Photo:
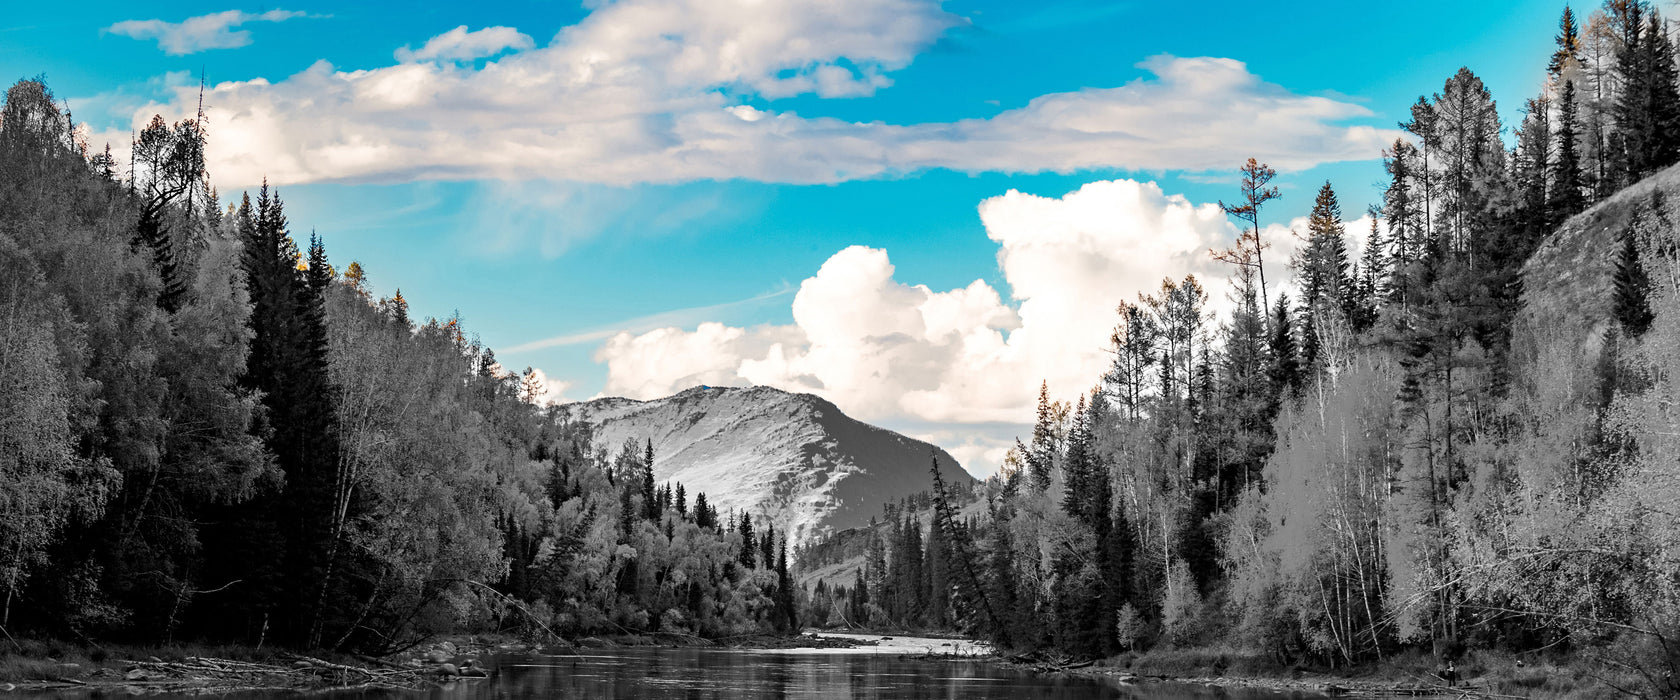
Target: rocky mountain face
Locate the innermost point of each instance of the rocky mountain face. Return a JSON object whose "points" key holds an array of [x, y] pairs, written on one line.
{"points": [[794, 458]]}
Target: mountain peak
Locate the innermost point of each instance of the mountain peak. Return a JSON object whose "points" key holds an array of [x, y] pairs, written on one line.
{"points": [[794, 458]]}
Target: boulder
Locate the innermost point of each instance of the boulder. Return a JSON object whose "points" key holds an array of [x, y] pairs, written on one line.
{"points": [[137, 675], [448, 670], [436, 656]]}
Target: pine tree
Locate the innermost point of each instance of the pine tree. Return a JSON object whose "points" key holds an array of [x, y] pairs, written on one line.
{"points": [[1255, 193], [786, 613], [1286, 366], [1326, 284], [1134, 341], [767, 544], [1041, 457], [1373, 272], [650, 501], [1400, 209], [1568, 44], [1077, 466], [704, 517], [1567, 197], [1632, 290], [749, 544]]}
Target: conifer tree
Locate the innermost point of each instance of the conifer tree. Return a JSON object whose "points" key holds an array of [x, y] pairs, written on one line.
{"points": [[1632, 290], [1326, 285], [1373, 272], [749, 544], [1400, 209], [1255, 193], [1567, 197], [1568, 43], [1041, 458], [786, 613], [1134, 341], [704, 516], [650, 502], [1286, 364]]}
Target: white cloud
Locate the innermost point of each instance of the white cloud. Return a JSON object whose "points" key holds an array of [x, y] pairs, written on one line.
{"points": [[202, 33], [458, 44], [655, 91]]}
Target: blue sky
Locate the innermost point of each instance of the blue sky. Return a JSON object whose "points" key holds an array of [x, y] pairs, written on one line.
{"points": [[650, 165]]}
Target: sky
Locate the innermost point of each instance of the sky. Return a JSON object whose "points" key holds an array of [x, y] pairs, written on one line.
{"points": [[919, 210]]}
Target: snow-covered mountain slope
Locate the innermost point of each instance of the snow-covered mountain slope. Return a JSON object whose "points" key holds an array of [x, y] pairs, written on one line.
{"points": [[792, 457]]}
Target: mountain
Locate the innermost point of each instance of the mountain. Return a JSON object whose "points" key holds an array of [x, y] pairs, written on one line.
{"points": [[794, 458]]}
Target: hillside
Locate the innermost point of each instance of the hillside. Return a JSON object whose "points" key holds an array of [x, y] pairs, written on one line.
{"points": [[1567, 284], [795, 458], [1559, 335]]}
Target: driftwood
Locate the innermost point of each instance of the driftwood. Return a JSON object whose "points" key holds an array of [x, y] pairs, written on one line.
{"points": [[247, 674]]}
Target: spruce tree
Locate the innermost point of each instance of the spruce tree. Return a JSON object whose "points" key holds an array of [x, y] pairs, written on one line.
{"points": [[1041, 457], [749, 544], [1567, 197], [650, 502], [1632, 291], [1568, 43], [704, 517], [1286, 363], [786, 613]]}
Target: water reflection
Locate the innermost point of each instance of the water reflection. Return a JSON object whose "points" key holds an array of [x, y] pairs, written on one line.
{"points": [[705, 674]]}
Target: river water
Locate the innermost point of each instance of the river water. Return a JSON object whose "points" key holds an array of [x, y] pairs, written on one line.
{"points": [[882, 671]]}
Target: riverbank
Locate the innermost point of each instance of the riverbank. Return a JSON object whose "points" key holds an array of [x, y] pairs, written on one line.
{"points": [[1480, 674]]}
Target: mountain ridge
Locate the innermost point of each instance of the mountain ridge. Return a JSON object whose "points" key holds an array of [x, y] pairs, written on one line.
{"points": [[795, 458]]}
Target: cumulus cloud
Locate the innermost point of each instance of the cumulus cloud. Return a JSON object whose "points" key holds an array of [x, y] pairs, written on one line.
{"points": [[657, 90], [458, 44], [201, 33]]}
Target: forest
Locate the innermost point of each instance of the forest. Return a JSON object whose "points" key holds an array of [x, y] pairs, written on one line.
{"points": [[1425, 448], [210, 433]]}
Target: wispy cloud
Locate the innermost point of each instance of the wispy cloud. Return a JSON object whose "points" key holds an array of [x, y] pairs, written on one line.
{"points": [[458, 44], [664, 319], [201, 33]]}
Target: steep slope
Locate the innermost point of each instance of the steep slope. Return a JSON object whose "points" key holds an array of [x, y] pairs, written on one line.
{"points": [[1568, 283], [794, 458]]}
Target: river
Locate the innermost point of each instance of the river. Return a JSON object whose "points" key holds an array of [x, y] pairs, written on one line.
{"points": [[881, 671]]}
